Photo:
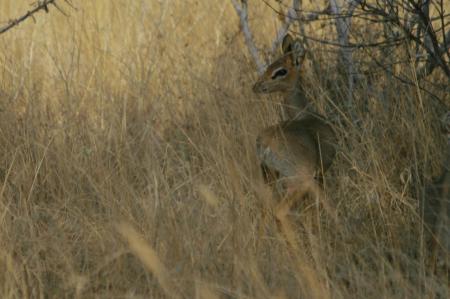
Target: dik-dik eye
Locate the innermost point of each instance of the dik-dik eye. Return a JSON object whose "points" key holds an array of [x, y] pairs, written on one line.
{"points": [[279, 73]]}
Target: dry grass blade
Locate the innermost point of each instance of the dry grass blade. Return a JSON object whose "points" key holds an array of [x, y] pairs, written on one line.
{"points": [[306, 264], [149, 258], [204, 292], [208, 196]]}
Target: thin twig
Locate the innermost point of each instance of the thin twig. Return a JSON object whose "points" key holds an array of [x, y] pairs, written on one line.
{"points": [[430, 44], [431, 64], [40, 5]]}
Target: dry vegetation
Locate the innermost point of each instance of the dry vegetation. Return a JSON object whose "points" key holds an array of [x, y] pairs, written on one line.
{"points": [[128, 168]]}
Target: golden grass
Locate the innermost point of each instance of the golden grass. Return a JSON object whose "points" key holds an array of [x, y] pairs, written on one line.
{"points": [[141, 112]]}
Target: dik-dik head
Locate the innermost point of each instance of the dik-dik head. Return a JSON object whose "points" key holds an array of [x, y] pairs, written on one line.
{"points": [[282, 75]]}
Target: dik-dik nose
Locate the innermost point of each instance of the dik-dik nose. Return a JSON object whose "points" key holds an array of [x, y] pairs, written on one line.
{"points": [[259, 87]]}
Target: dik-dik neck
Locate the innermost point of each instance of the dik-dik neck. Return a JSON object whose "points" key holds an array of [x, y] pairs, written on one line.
{"points": [[295, 102]]}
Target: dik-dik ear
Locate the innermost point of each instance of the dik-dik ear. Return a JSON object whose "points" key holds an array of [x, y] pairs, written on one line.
{"points": [[295, 48], [287, 44]]}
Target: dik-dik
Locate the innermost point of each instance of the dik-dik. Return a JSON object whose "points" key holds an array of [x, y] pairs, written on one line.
{"points": [[294, 152]]}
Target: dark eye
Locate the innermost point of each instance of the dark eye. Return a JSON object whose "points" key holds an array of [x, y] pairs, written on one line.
{"points": [[279, 73]]}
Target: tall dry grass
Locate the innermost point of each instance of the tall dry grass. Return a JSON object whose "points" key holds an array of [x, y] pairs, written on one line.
{"points": [[128, 166]]}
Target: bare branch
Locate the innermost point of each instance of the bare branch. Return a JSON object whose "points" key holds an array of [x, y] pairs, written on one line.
{"points": [[431, 64], [430, 40], [59, 9], [290, 17], [343, 29], [40, 5], [242, 12], [427, 41], [342, 23]]}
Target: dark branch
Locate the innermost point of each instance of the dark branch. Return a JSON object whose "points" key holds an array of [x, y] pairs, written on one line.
{"points": [[40, 5]]}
